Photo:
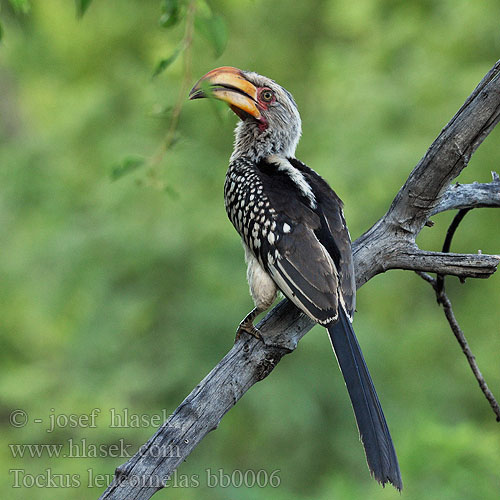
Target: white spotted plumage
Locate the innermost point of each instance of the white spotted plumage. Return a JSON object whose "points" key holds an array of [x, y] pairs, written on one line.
{"points": [[247, 206]]}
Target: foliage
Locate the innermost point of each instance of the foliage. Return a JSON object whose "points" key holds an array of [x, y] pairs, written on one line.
{"points": [[122, 295], [126, 166], [82, 6], [213, 28], [21, 6], [165, 63]]}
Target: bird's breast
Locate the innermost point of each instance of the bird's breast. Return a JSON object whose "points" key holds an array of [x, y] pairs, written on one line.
{"points": [[249, 208]]}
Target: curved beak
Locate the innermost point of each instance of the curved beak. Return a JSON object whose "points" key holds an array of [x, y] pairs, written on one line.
{"points": [[229, 85]]}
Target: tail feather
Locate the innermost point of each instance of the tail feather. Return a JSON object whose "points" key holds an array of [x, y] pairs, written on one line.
{"points": [[373, 430]]}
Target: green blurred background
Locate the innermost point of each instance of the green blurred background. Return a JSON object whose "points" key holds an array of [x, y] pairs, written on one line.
{"points": [[124, 294]]}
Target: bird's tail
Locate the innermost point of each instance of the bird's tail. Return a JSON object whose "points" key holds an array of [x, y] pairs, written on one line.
{"points": [[373, 430]]}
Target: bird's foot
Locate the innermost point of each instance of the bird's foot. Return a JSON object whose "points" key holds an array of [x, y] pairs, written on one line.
{"points": [[248, 327]]}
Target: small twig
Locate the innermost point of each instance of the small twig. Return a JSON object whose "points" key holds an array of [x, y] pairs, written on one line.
{"points": [[186, 45], [447, 244], [428, 278], [459, 335], [186, 80], [442, 298]]}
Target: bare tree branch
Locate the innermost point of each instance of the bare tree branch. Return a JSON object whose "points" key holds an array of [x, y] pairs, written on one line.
{"points": [[442, 299], [456, 264], [470, 196], [448, 155], [390, 243]]}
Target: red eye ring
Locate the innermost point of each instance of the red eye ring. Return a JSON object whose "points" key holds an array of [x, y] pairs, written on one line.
{"points": [[266, 95]]}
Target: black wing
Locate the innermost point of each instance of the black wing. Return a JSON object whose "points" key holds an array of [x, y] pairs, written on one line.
{"points": [[334, 234], [310, 257]]}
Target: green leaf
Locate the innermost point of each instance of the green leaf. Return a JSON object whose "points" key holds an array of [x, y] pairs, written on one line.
{"points": [[22, 6], [1, 31], [214, 29], [170, 191], [165, 63], [169, 13], [126, 167], [161, 112], [82, 6]]}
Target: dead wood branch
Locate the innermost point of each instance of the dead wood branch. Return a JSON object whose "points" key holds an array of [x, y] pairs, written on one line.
{"points": [[443, 300]]}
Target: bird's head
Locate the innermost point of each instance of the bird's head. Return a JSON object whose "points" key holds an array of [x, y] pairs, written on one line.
{"points": [[270, 121]]}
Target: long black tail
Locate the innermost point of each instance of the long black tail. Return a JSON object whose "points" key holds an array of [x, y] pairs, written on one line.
{"points": [[373, 430]]}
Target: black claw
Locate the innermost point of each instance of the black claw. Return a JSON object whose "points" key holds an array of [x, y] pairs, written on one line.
{"points": [[250, 329]]}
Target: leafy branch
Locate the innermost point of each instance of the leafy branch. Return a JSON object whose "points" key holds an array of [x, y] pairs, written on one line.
{"points": [[82, 6], [19, 7], [185, 47], [23, 7], [198, 17]]}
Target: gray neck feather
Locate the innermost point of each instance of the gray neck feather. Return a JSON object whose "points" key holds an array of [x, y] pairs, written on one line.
{"points": [[277, 139]]}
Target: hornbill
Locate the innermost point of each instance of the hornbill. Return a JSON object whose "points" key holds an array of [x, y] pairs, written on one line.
{"points": [[295, 238]]}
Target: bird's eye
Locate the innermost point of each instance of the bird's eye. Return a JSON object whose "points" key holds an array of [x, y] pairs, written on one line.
{"points": [[267, 95]]}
